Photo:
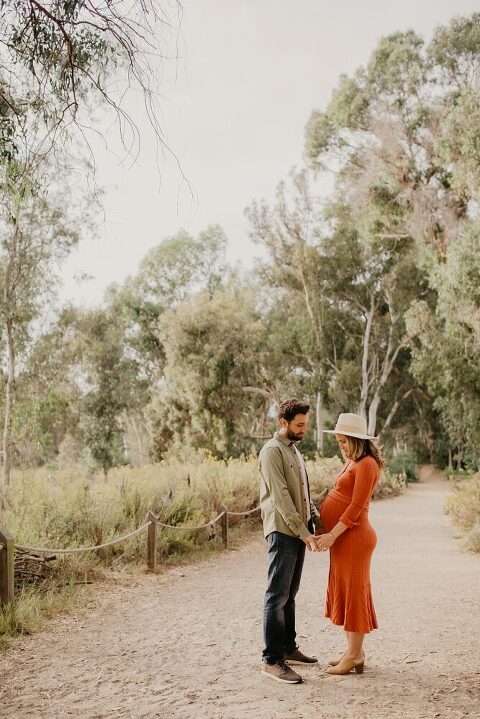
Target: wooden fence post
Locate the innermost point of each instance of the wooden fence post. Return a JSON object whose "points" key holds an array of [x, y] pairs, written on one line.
{"points": [[6, 567], [225, 527], [152, 542]]}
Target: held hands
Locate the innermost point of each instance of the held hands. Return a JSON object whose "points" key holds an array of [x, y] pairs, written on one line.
{"points": [[324, 541], [319, 543], [311, 543]]}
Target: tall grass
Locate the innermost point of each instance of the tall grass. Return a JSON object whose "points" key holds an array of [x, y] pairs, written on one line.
{"points": [[69, 508], [464, 507]]}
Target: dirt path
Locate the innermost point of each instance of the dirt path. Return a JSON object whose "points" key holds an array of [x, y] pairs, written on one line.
{"points": [[186, 644]]}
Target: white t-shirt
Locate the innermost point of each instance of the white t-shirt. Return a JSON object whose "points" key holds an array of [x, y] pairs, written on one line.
{"points": [[303, 472]]}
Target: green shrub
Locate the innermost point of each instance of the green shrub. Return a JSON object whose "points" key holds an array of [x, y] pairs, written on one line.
{"points": [[390, 484], [403, 463]]}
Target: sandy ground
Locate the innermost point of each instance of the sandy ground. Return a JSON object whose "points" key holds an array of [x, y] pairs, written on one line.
{"points": [[187, 643]]}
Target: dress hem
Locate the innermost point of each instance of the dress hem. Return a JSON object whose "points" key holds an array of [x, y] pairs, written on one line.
{"points": [[350, 628]]}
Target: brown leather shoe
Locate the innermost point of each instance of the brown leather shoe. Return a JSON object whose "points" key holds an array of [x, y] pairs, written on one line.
{"points": [[281, 672], [298, 657]]}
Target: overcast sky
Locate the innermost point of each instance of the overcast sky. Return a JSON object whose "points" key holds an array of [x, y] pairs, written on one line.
{"points": [[235, 106]]}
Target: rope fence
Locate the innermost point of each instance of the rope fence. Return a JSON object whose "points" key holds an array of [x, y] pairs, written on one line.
{"points": [[192, 529], [79, 550], [7, 545], [243, 514]]}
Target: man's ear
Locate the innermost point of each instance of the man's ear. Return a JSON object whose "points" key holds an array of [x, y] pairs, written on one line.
{"points": [[283, 422]]}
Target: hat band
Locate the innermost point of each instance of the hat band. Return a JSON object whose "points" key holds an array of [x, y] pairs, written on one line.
{"points": [[350, 428]]}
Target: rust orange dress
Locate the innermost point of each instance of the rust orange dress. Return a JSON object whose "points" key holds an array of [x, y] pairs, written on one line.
{"points": [[349, 600]]}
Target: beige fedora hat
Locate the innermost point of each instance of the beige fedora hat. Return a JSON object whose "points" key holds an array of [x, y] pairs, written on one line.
{"points": [[353, 425]]}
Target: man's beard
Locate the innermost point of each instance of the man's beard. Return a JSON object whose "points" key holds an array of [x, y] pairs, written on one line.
{"points": [[293, 437]]}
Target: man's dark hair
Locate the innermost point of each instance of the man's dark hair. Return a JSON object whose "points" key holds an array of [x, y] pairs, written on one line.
{"points": [[291, 407]]}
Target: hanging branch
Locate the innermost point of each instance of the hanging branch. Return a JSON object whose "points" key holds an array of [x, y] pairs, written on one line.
{"points": [[57, 57]]}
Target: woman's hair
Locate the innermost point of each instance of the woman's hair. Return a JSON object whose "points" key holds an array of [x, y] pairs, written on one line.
{"points": [[358, 448]]}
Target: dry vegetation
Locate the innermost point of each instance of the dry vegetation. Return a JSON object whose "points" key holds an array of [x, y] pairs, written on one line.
{"points": [[52, 508], [464, 507]]}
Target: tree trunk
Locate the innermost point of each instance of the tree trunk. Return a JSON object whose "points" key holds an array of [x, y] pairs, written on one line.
{"points": [[388, 363], [362, 408], [8, 306], [140, 450], [372, 414], [8, 405], [318, 423], [459, 460]]}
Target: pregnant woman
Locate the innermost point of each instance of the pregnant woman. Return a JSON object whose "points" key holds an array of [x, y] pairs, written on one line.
{"points": [[351, 540]]}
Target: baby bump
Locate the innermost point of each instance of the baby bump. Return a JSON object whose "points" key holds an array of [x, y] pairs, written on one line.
{"points": [[331, 511]]}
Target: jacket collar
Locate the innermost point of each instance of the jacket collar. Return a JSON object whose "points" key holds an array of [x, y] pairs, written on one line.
{"points": [[287, 442]]}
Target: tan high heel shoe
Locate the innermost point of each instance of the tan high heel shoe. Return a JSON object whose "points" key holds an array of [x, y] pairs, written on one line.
{"points": [[334, 662], [345, 666]]}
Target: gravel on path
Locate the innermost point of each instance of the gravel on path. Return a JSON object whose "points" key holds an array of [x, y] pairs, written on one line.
{"points": [[186, 643]]}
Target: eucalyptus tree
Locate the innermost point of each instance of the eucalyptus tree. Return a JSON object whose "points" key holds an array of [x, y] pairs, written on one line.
{"points": [[401, 136], [35, 235], [62, 64], [371, 285], [353, 288], [46, 423], [182, 264], [445, 345], [58, 59], [170, 273], [290, 232], [105, 378], [214, 349], [383, 132]]}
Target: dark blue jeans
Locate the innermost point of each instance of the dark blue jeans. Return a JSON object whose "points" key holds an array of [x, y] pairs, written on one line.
{"points": [[285, 563]]}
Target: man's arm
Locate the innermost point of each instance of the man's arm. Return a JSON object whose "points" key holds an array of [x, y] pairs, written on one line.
{"points": [[271, 467]]}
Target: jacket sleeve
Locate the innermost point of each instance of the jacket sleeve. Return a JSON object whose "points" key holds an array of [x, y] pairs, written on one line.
{"points": [[271, 467], [366, 477]]}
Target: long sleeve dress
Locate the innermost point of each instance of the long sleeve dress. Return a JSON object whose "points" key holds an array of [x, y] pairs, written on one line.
{"points": [[349, 601]]}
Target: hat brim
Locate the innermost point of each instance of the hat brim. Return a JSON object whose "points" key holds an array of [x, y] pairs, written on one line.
{"points": [[348, 434]]}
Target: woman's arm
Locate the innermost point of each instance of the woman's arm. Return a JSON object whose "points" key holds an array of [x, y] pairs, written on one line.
{"points": [[325, 541], [366, 477]]}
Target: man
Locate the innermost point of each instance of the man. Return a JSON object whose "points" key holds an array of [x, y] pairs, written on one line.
{"points": [[289, 518]]}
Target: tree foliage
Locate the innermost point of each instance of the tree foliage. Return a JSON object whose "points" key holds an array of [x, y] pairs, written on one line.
{"points": [[57, 60], [368, 300]]}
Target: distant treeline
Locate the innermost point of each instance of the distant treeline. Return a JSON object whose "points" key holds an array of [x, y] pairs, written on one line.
{"points": [[369, 300]]}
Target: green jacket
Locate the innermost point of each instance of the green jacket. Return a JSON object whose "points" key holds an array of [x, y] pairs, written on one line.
{"points": [[282, 497]]}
